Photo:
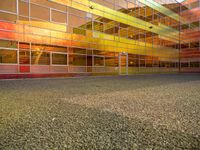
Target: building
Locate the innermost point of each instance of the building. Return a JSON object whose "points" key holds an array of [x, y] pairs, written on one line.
{"points": [[48, 38], [190, 36]]}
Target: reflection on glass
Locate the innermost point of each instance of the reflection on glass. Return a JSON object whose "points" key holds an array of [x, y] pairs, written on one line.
{"points": [[59, 59], [98, 61], [8, 56], [40, 58], [24, 57], [77, 60]]}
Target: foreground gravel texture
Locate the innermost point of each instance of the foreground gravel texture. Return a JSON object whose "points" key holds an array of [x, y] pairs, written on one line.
{"points": [[134, 112]]}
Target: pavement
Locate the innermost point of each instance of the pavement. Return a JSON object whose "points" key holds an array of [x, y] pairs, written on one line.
{"points": [[126, 112]]}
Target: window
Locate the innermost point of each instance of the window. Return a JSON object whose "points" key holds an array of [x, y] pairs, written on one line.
{"points": [[24, 57], [59, 17], [39, 57], [48, 3], [38, 47], [195, 64], [133, 60], [8, 17], [142, 63], [110, 28], [156, 63], [59, 59], [77, 50], [77, 12], [186, 45], [97, 52], [89, 60], [77, 18], [111, 61], [194, 45], [40, 12], [185, 26], [77, 60], [98, 26], [49, 48], [8, 44], [149, 63], [172, 64], [77, 21], [98, 61], [195, 25], [122, 3], [106, 3], [8, 56], [183, 8], [194, 5], [8, 5], [24, 45], [184, 64], [162, 64], [23, 8]]}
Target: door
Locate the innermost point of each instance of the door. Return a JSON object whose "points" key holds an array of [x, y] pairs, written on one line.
{"points": [[123, 63], [24, 61]]}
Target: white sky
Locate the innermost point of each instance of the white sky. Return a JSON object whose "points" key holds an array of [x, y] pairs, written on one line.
{"points": [[180, 0]]}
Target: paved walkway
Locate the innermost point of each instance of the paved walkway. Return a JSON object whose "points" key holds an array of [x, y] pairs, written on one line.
{"points": [[135, 112]]}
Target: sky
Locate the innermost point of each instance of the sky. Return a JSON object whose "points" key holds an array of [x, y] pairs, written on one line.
{"points": [[180, 0]]}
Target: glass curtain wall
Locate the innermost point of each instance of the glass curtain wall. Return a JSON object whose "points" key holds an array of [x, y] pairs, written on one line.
{"points": [[190, 36], [89, 36]]}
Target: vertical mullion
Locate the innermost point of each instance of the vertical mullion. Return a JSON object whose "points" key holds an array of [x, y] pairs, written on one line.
{"points": [[126, 63], [17, 9], [30, 50], [18, 63], [29, 10], [50, 14]]}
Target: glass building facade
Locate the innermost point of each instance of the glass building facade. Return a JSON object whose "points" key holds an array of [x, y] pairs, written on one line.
{"points": [[190, 36], [98, 37]]}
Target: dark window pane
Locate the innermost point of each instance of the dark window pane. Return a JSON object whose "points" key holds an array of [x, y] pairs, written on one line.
{"points": [[8, 56], [149, 63], [111, 61], [195, 64], [59, 59], [89, 60], [142, 63], [77, 60], [184, 64], [98, 61]]}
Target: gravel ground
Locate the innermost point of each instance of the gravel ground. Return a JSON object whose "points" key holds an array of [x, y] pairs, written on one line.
{"points": [[134, 112]]}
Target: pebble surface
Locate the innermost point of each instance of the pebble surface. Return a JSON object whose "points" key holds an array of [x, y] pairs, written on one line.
{"points": [[126, 112]]}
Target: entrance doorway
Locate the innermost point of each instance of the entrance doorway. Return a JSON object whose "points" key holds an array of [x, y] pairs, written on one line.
{"points": [[123, 63], [24, 61]]}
